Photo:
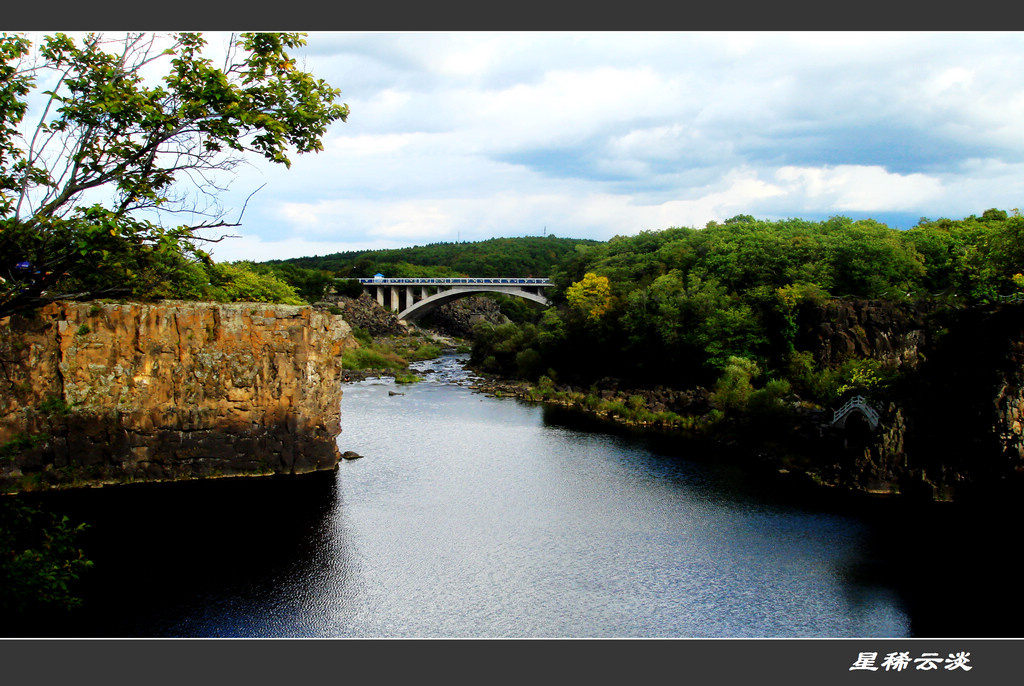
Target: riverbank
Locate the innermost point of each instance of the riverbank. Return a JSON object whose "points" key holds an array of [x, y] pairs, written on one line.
{"points": [[794, 441]]}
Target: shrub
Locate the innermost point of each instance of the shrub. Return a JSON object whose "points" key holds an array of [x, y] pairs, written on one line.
{"points": [[362, 335], [407, 378], [348, 287], [239, 282], [769, 400], [427, 351], [368, 358], [734, 386]]}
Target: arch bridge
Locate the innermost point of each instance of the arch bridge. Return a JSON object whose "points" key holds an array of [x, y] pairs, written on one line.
{"points": [[412, 298], [856, 404]]}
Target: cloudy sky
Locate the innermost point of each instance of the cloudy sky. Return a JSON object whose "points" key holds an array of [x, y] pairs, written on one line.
{"points": [[470, 135]]}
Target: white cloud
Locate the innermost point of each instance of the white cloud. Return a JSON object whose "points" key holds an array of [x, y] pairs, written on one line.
{"points": [[616, 132], [370, 145], [857, 188]]}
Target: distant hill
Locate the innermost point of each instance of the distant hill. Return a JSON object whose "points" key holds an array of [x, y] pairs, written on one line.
{"points": [[524, 256]]}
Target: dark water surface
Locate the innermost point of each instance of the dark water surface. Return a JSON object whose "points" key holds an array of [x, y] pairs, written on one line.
{"points": [[471, 516]]}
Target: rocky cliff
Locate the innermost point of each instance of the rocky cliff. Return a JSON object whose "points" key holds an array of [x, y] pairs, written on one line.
{"points": [[97, 393], [891, 332], [953, 427]]}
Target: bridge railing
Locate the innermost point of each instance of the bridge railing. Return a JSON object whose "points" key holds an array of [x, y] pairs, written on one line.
{"points": [[455, 282], [857, 402]]}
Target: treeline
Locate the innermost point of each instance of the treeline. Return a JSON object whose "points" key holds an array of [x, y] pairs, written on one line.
{"points": [[525, 256], [141, 271], [684, 307]]}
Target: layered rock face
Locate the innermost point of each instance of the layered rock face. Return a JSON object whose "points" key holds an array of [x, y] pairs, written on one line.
{"points": [[892, 333], [1009, 405], [96, 393]]}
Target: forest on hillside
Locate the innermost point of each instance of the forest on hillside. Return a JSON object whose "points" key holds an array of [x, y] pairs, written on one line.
{"points": [[685, 307], [526, 256]]}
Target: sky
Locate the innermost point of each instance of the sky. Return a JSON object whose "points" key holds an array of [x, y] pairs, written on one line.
{"points": [[464, 135]]}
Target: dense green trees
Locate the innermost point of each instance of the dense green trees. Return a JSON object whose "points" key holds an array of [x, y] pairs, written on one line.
{"points": [[83, 190], [524, 256], [975, 257], [683, 305]]}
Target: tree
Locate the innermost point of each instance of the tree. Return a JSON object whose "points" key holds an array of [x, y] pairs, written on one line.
{"points": [[86, 190], [41, 562], [590, 295]]}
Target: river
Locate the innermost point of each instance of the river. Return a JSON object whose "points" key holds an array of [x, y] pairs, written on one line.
{"points": [[473, 516]]}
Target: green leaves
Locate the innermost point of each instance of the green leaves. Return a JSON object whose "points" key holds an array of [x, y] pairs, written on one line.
{"points": [[591, 295], [111, 133], [40, 560]]}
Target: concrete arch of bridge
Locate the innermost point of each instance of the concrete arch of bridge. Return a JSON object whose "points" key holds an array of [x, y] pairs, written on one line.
{"points": [[427, 305]]}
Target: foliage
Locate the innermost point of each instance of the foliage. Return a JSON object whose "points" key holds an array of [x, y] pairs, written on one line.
{"points": [[769, 401], [524, 256], [734, 387], [506, 350], [310, 285], [40, 560], [83, 191], [350, 288], [825, 386], [240, 282], [681, 302], [20, 443], [861, 376], [975, 258], [591, 295], [423, 351], [393, 353], [362, 335], [372, 358], [407, 378]]}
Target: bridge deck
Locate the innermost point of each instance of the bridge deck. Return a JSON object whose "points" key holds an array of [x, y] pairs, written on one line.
{"points": [[414, 297]]}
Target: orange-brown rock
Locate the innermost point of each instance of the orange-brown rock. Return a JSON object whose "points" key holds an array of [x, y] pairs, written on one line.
{"points": [[175, 390]]}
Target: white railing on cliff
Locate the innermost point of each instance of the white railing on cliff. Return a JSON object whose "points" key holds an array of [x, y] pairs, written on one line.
{"points": [[857, 403]]}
